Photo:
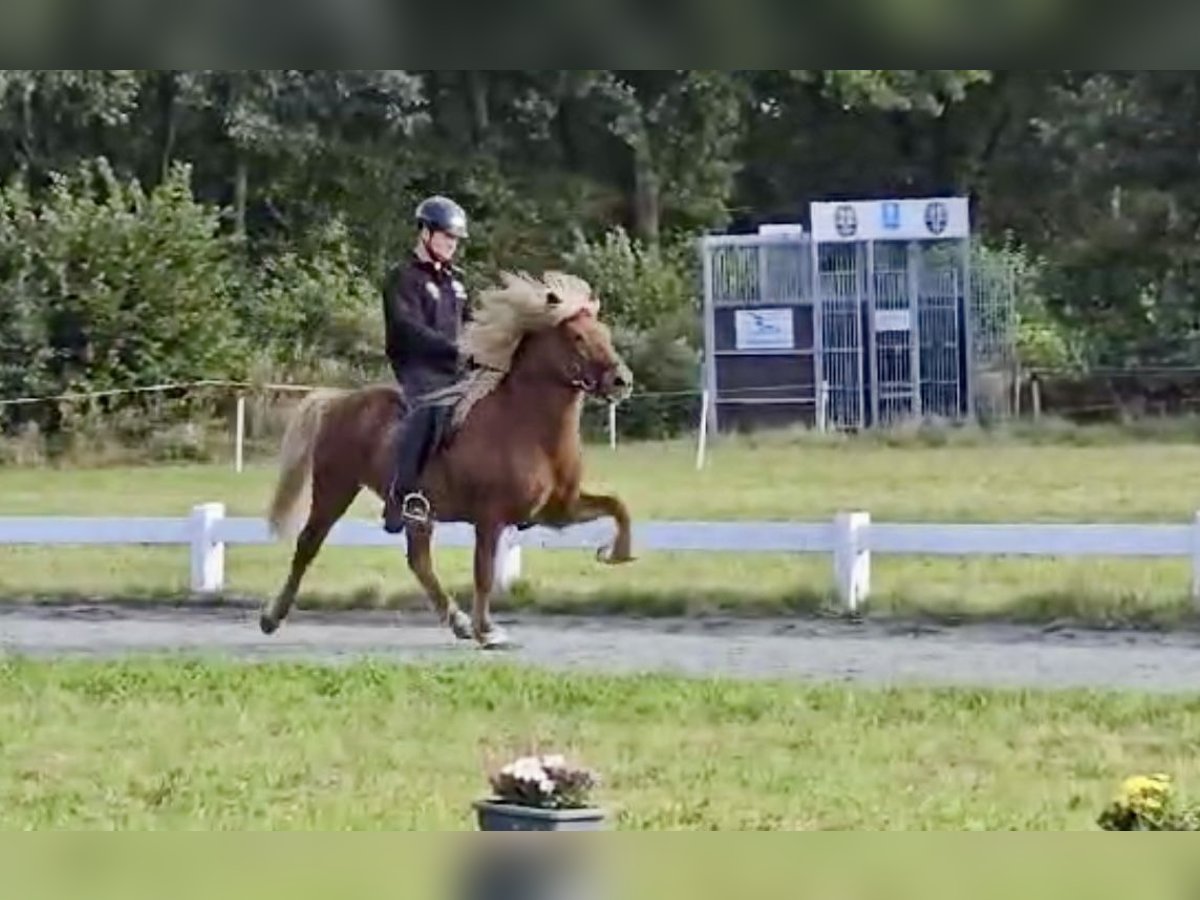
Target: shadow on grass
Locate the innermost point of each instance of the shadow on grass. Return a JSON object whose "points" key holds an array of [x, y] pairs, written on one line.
{"points": [[1049, 431], [1048, 608]]}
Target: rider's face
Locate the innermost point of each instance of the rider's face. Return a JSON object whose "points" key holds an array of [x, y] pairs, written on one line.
{"points": [[443, 245]]}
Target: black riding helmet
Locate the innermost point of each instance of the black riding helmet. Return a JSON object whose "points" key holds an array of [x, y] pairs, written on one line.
{"points": [[442, 214]]}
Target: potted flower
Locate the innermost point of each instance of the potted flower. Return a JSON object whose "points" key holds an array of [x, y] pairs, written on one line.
{"points": [[541, 793], [1148, 803]]}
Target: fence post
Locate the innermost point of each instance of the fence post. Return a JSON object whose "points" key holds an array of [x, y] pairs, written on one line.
{"points": [[612, 426], [508, 560], [702, 437], [239, 450], [208, 554], [852, 559], [1196, 562]]}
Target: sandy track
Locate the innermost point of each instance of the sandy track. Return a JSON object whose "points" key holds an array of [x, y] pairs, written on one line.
{"points": [[873, 653]]}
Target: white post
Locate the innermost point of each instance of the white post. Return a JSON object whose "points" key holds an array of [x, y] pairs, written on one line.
{"points": [[612, 426], [702, 440], [207, 554], [852, 559], [508, 561], [240, 439], [1196, 562], [823, 406]]}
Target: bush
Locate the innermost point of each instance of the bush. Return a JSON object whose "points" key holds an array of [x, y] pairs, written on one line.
{"points": [[317, 313], [111, 287], [650, 297], [666, 372], [1043, 340], [638, 286]]}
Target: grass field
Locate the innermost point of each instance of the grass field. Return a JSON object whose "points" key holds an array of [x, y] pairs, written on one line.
{"points": [[150, 744], [778, 478]]}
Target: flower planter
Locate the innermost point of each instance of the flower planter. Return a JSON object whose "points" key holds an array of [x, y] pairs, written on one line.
{"points": [[496, 816]]}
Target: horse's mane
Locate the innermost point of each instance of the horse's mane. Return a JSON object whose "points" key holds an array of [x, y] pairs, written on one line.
{"points": [[521, 305]]}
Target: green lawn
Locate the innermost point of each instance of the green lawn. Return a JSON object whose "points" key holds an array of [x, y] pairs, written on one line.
{"points": [[773, 479], [167, 745]]}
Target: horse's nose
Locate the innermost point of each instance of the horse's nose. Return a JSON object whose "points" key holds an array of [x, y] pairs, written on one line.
{"points": [[622, 382]]}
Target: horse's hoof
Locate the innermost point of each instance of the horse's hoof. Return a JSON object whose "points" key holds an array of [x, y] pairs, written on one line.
{"points": [[496, 639], [606, 556], [268, 625], [460, 625]]}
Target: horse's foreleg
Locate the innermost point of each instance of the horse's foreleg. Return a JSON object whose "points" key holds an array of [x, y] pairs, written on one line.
{"points": [[590, 507], [330, 502], [487, 538], [420, 563]]}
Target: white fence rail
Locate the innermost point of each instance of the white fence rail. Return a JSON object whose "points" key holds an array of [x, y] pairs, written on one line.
{"points": [[850, 539]]}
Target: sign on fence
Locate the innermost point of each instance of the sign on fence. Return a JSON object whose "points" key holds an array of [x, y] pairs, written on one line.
{"points": [[764, 329], [932, 218]]}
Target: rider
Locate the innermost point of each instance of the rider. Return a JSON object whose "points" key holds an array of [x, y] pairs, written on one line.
{"points": [[424, 307]]}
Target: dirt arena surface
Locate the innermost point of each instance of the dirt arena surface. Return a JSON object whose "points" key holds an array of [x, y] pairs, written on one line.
{"points": [[876, 653]]}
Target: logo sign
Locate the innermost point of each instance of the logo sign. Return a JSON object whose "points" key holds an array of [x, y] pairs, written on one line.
{"points": [[764, 329], [937, 217], [890, 214], [927, 218], [845, 219]]}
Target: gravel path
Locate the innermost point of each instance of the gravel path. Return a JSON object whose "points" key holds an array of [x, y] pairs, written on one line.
{"points": [[874, 653]]}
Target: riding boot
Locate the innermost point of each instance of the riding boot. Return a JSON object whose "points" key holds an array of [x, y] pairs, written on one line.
{"points": [[405, 504]]}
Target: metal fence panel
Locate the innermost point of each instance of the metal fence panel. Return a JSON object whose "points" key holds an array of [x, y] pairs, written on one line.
{"points": [[887, 330]]}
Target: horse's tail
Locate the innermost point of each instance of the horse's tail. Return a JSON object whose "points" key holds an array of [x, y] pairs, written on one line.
{"points": [[293, 488]]}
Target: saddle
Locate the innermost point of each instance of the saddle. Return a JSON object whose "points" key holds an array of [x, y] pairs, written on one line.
{"points": [[432, 418]]}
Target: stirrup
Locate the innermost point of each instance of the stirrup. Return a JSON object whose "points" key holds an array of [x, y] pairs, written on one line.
{"points": [[415, 509]]}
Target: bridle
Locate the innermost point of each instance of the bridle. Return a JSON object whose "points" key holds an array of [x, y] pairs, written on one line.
{"points": [[576, 379], [579, 379]]}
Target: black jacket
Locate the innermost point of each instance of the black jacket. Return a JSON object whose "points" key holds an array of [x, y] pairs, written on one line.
{"points": [[424, 308]]}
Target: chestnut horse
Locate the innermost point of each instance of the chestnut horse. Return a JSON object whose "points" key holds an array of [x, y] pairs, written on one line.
{"points": [[513, 454]]}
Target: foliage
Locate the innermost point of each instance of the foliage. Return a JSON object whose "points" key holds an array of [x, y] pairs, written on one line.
{"points": [[315, 309], [666, 374], [303, 182], [638, 284], [114, 287], [649, 293], [1148, 803], [1043, 341], [902, 90]]}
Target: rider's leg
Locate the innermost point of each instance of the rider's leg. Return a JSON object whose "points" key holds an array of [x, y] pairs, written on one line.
{"points": [[404, 503]]}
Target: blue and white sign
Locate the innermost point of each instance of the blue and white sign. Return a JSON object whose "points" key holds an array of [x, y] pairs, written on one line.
{"points": [[932, 218], [764, 329], [890, 213]]}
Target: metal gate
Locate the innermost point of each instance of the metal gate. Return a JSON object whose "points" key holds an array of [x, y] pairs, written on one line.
{"points": [[759, 330], [840, 294], [857, 325]]}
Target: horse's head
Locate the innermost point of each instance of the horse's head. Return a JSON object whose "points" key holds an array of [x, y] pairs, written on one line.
{"points": [[549, 330], [579, 351]]}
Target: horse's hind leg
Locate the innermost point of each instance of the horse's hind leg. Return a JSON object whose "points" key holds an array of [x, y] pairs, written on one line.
{"points": [[330, 500], [487, 538], [420, 562]]}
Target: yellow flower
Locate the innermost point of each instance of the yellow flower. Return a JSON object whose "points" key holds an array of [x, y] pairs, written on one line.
{"points": [[1145, 794]]}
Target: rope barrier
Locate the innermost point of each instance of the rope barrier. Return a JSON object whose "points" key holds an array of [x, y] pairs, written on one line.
{"points": [[248, 386]]}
